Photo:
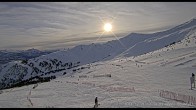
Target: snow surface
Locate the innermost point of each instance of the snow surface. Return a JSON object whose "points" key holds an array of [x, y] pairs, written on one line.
{"points": [[135, 78], [147, 79]]}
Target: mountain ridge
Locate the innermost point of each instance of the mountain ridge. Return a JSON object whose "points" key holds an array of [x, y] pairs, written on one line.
{"points": [[66, 62]]}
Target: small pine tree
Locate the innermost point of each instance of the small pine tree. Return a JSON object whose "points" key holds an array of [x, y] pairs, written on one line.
{"points": [[24, 61]]}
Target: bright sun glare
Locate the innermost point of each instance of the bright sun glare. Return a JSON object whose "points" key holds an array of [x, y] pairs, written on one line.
{"points": [[108, 27]]}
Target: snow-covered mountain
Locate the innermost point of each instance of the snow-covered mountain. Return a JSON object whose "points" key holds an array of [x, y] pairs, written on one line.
{"points": [[159, 79], [46, 67], [13, 55]]}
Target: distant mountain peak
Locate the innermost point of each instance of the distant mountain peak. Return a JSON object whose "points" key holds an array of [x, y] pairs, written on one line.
{"points": [[194, 19], [190, 22], [33, 50]]}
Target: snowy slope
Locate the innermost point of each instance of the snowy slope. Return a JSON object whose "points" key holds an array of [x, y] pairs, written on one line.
{"points": [[128, 81], [134, 83], [65, 62]]}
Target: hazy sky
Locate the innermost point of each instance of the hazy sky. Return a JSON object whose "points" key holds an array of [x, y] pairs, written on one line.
{"points": [[62, 24]]}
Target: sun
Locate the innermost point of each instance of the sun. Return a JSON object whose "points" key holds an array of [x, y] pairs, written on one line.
{"points": [[107, 27]]}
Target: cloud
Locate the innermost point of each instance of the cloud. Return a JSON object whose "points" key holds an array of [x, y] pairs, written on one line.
{"points": [[25, 23]]}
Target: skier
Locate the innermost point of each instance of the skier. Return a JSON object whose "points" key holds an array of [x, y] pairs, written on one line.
{"points": [[193, 75], [192, 80], [96, 103]]}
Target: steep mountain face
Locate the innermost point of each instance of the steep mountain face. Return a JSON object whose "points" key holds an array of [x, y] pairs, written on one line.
{"points": [[59, 63], [151, 42]]}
